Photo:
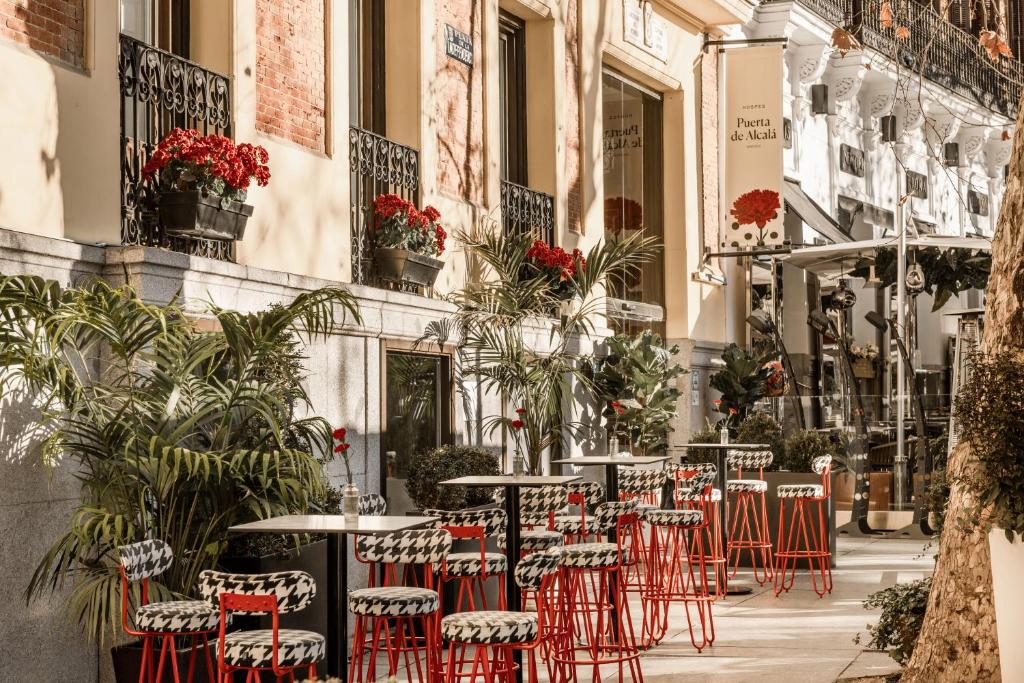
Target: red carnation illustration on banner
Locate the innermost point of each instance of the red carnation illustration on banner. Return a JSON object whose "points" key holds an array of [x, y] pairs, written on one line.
{"points": [[756, 207]]}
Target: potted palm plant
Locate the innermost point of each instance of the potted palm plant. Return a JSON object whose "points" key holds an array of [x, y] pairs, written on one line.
{"points": [[202, 182], [407, 241], [183, 433]]}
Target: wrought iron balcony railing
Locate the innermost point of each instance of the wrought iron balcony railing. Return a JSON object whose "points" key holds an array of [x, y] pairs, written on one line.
{"points": [[161, 91], [527, 211], [377, 166], [937, 49]]}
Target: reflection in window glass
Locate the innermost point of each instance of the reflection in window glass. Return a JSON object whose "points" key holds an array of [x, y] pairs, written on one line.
{"points": [[417, 418], [633, 185]]}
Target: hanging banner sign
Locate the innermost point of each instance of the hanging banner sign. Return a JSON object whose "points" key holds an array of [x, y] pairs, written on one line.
{"points": [[754, 138]]}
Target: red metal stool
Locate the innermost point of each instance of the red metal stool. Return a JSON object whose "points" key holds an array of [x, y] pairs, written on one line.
{"points": [[400, 620], [587, 496], [538, 508], [687, 497], [807, 538], [471, 570], [644, 487], [601, 632], [676, 574], [280, 650], [495, 635], [162, 621], [748, 523]]}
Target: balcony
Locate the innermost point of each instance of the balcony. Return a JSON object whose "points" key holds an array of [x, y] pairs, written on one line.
{"points": [[527, 211], [161, 91], [943, 53], [376, 166]]}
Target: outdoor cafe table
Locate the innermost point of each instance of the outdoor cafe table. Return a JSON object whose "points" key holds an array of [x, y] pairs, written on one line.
{"points": [[611, 466], [337, 529], [722, 449], [513, 545]]}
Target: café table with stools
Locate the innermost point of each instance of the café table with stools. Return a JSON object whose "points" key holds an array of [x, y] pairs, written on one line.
{"points": [[513, 546], [722, 451], [337, 528], [611, 464]]}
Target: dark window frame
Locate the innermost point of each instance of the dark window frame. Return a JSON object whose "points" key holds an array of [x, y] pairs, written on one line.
{"points": [[367, 66], [512, 98]]}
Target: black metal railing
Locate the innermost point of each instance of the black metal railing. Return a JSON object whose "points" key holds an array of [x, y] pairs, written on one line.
{"points": [[527, 211], [936, 48], [377, 166], [161, 91]]}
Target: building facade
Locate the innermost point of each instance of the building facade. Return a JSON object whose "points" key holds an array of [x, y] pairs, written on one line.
{"points": [[572, 119]]}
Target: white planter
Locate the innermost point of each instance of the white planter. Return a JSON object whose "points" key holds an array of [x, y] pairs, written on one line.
{"points": [[1008, 596]]}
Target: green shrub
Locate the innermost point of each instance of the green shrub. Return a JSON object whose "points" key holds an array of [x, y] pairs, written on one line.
{"points": [[803, 446], [709, 434], [990, 414], [427, 470], [903, 607], [761, 427]]}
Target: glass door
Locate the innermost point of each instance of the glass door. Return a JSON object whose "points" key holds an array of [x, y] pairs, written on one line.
{"points": [[417, 417]]}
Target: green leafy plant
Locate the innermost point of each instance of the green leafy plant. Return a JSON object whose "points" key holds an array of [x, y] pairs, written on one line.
{"points": [[635, 382], [497, 319], [709, 433], [946, 273], [176, 432], [899, 625], [761, 427], [804, 445], [427, 470], [990, 414], [741, 382]]}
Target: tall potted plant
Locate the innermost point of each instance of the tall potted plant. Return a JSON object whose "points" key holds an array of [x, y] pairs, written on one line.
{"points": [[742, 381], [184, 432], [407, 241], [202, 183]]}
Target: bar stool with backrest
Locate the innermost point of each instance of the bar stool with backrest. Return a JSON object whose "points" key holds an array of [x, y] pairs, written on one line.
{"points": [[644, 487], [587, 496], [678, 569], [748, 523], [279, 650], [687, 497], [399, 619], [538, 507], [162, 621], [601, 632], [469, 570], [495, 635], [807, 537]]}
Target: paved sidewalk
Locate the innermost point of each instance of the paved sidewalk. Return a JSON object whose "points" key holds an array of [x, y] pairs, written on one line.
{"points": [[799, 637]]}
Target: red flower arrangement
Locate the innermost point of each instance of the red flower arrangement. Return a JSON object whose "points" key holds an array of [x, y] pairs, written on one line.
{"points": [[341, 447], [398, 224], [617, 407], [557, 265], [517, 424], [212, 164], [757, 207]]}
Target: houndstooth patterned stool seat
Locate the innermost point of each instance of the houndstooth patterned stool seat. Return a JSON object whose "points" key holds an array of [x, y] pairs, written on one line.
{"points": [[590, 555], [675, 517], [177, 616], [397, 601], [746, 486], [490, 627], [534, 539], [800, 491], [469, 564], [689, 495], [254, 649]]}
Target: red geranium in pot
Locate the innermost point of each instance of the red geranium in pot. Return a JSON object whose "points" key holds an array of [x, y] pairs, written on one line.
{"points": [[407, 240], [558, 266], [203, 181]]}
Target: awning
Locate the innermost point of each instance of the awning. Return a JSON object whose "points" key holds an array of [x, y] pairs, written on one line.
{"points": [[833, 260], [810, 213]]}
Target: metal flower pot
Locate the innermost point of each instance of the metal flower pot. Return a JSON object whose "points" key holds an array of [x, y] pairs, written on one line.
{"points": [[402, 265], [192, 214]]}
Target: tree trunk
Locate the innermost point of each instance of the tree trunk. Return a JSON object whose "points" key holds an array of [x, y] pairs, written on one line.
{"points": [[958, 639]]}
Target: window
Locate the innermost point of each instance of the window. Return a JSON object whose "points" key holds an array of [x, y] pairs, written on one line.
{"points": [[417, 417], [160, 23], [366, 65], [633, 187], [512, 97]]}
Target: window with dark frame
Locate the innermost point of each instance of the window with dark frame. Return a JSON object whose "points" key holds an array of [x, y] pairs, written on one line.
{"points": [[367, 66], [161, 23], [633, 189], [512, 97]]}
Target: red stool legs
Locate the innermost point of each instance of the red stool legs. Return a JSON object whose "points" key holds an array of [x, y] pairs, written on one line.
{"points": [[748, 530]]}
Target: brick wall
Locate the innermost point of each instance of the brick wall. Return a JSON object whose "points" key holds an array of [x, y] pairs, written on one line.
{"points": [[290, 71], [51, 27], [709, 145], [459, 105], [573, 174]]}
